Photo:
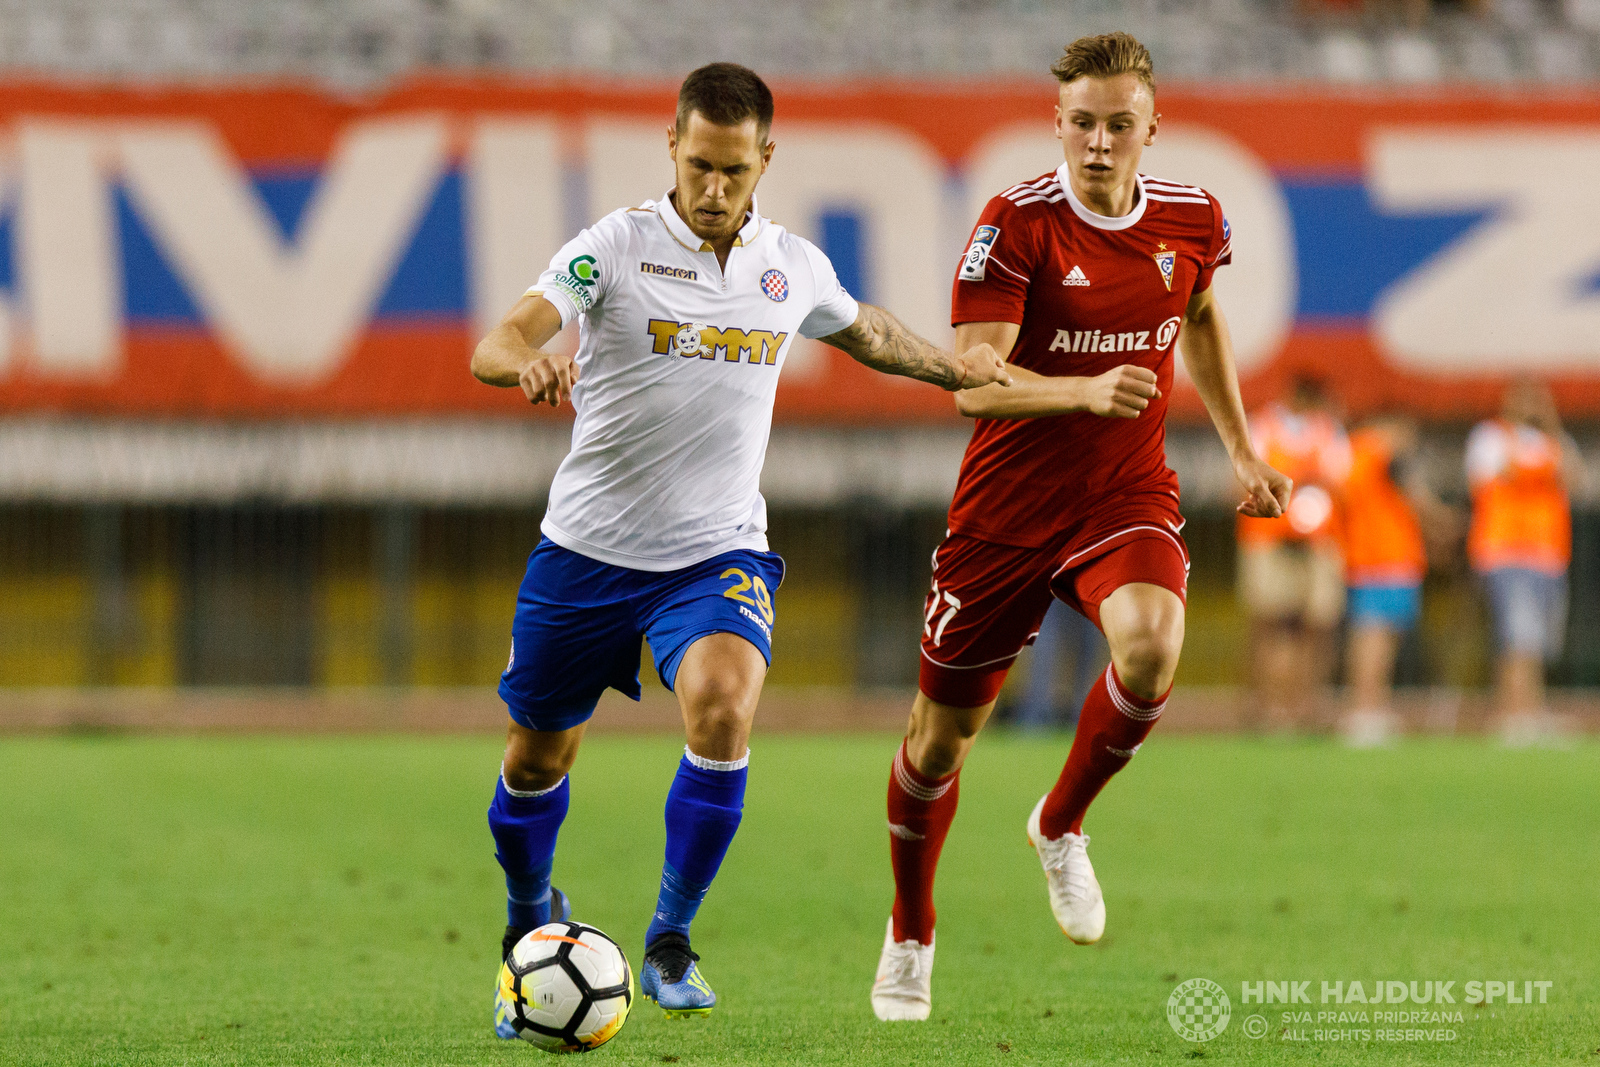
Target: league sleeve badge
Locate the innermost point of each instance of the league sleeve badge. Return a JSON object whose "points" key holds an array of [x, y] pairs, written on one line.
{"points": [[974, 264]]}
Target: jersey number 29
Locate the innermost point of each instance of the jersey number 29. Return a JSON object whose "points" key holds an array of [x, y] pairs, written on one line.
{"points": [[763, 600]]}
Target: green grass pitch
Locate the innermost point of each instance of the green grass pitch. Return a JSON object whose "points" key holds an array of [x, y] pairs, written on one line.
{"points": [[197, 900]]}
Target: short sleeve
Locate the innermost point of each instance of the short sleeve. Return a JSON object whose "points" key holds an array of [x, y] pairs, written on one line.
{"points": [[584, 270], [1219, 251], [992, 281], [834, 308]]}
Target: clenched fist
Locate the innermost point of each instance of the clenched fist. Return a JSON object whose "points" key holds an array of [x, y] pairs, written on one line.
{"points": [[978, 366], [548, 379], [1121, 393]]}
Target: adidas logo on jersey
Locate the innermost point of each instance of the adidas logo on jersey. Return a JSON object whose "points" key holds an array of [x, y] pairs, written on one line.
{"points": [[1075, 277]]}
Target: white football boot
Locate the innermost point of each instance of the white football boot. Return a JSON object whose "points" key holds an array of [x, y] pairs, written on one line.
{"points": [[1074, 893], [903, 989]]}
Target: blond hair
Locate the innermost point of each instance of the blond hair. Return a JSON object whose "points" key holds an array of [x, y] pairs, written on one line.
{"points": [[1106, 56]]}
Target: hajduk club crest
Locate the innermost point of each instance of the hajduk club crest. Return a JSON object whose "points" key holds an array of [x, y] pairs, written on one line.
{"points": [[775, 285], [1165, 261]]}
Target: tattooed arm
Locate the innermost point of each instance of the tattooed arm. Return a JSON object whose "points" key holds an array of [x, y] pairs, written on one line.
{"points": [[882, 342]]}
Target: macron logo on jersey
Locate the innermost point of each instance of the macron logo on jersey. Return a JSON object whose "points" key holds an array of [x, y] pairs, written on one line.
{"points": [[1076, 277], [681, 273], [975, 262]]}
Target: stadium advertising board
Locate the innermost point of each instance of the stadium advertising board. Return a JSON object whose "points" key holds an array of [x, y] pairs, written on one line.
{"points": [[282, 252]]}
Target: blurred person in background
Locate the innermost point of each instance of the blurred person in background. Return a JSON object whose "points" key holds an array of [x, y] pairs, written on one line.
{"points": [[1390, 516], [1291, 569], [1063, 635], [1520, 468]]}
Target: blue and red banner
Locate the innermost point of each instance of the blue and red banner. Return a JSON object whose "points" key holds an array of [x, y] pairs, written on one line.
{"points": [[285, 253]]}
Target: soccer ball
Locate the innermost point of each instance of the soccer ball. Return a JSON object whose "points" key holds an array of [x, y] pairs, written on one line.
{"points": [[566, 987]]}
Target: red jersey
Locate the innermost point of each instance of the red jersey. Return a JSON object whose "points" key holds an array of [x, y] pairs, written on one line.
{"points": [[1090, 293]]}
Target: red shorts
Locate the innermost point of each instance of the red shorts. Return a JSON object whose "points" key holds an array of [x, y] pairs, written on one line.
{"points": [[988, 599]]}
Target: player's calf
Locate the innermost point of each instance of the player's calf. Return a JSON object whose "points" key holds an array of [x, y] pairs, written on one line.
{"points": [[1112, 725], [525, 824], [920, 810], [704, 807]]}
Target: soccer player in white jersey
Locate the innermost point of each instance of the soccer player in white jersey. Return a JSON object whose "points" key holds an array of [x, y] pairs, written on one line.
{"points": [[688, 307]]}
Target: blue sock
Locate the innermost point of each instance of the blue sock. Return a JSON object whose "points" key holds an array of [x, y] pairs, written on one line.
{"points": [[525, 827], [703, 810]]}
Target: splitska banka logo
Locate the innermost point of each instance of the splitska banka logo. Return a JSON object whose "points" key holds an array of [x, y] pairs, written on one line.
{"points": [[1107, 341], [579, 282], [670, 337]]}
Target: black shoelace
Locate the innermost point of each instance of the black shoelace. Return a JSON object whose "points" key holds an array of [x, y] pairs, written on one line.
{"points": [[672, 957]]}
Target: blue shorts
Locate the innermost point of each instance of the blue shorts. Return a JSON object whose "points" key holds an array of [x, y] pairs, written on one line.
{"points": [[1529, 609], [1395, 606], [579, 623]]}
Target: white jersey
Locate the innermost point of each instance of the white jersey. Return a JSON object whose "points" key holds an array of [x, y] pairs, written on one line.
{"points": [[679, 367]]}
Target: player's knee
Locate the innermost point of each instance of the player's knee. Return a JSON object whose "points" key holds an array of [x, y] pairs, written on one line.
{"points": [[718, 709], [939, 756], [719, 720], [1147, 657], [720, 696], [939, 737], [530, 765]]}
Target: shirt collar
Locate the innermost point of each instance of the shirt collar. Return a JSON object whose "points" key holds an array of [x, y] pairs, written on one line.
{"points": [[1103, 222], [686, 237]]}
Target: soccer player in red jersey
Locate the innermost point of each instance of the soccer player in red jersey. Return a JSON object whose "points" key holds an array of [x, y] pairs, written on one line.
{"points": [[1083, 278]]}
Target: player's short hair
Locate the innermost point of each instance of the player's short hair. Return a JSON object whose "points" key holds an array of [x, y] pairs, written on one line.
{"points": [[1106, 56], [726, 94]]}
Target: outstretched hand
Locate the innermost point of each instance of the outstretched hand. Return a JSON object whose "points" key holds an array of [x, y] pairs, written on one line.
{"points": [[1267, 490], [978, 366]]}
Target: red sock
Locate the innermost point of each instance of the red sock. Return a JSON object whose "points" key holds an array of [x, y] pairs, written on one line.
{"points": [[1111, 727], [920, 812]]}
